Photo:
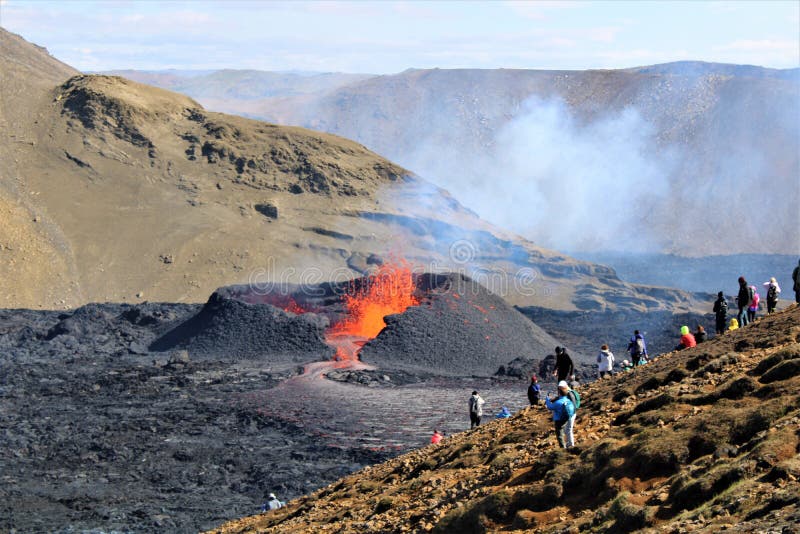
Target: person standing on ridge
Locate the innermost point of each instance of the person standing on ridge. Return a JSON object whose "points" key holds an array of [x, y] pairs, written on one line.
{"points": [[638, 349], [752, 309], [475, 409], [564, 366], [562, 409], [534, 391], [773, 291], [721, 312], [605, 362], [743, 300], [796, 280], [569, 428]]}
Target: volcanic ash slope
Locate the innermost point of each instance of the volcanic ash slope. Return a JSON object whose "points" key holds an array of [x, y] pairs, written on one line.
{"points": [[459, 328], [700, 440]]}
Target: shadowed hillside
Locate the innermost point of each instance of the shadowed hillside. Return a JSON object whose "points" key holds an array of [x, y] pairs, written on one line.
{"points": [[701, 440]]}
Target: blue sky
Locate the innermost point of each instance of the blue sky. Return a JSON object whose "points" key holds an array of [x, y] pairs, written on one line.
{"points": [[388, 37]]}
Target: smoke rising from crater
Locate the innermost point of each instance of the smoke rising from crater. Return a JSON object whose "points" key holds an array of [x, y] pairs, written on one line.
{"points": [[566, 183]]}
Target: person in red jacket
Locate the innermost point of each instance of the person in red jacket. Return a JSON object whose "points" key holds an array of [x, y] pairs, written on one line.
{"points": [[436, 437], [687, 339]]}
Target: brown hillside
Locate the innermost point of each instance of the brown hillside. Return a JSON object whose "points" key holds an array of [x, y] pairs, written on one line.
{"points": [[125, 192], [702, 440]]}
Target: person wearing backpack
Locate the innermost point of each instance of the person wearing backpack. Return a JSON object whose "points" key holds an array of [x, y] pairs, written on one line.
{"points": [[743, 300], [773, 290], [533, 391], [605, 362], [475, 409], [721, 312], [562, 409], [638, 349], [569, 428]]}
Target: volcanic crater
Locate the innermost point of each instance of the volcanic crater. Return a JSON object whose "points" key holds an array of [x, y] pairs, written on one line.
{"points": [[395, 319]]}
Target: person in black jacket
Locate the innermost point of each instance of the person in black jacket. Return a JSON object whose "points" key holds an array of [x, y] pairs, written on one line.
{"points": [[564, 365], [743, 301], [796, 280], [721, 312], [700, 335]]}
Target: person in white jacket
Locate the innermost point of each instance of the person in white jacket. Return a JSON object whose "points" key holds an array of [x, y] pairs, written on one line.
{"points": [[605, 361], [773, 292]]}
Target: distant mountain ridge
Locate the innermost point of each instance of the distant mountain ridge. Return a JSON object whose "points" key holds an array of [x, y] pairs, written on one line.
{"points": [[684, 136]]}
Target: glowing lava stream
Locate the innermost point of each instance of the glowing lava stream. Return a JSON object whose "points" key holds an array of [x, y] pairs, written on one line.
{"points": [[388, 291]]}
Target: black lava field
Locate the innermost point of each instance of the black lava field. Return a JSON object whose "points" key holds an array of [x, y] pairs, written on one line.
{"points": [[175, 417]]}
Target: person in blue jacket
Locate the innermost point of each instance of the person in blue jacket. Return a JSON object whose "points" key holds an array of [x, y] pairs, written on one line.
{"points": [[562, 409], [503, 414]]}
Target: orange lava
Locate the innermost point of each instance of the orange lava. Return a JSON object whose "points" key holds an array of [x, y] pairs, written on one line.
{"points": [[390, 290]]}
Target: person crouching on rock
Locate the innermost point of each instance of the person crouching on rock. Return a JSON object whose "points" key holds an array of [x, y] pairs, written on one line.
{"points": [[687, 339], [475, 409], [504, 413], [436, 437], [700, 336], [562, 409], [533, 391], [272, 503], [734, 324]]}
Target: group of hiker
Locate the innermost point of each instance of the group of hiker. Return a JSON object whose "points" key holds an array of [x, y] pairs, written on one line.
{"points": [[748, 302], [565, 404]]}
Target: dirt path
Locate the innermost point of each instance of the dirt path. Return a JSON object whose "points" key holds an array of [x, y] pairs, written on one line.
{"points": [[380, 418]]}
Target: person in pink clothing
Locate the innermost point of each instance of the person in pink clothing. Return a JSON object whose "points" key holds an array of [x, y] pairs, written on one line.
{"points": [[753, 308], [436, 437]]}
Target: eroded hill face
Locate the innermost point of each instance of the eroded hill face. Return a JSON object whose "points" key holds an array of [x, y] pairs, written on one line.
{"points": [[116, 191], [701, 440]]}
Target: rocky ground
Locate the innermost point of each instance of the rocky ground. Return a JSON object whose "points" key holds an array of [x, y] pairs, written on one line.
{"points": [[101, 432], [701, 440]]}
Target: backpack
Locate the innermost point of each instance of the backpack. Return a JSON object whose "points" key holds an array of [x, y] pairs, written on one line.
{"points": [[473, 405], [772, 293], [638, 346], [750, 294], [723, 307], [575, 397], [569, 409]]}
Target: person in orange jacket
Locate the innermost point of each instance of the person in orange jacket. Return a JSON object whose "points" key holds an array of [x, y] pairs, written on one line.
{"points": [[687, 339]]}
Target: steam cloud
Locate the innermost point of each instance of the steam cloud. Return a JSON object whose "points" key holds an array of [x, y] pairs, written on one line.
{"points": [[566, 183]]}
